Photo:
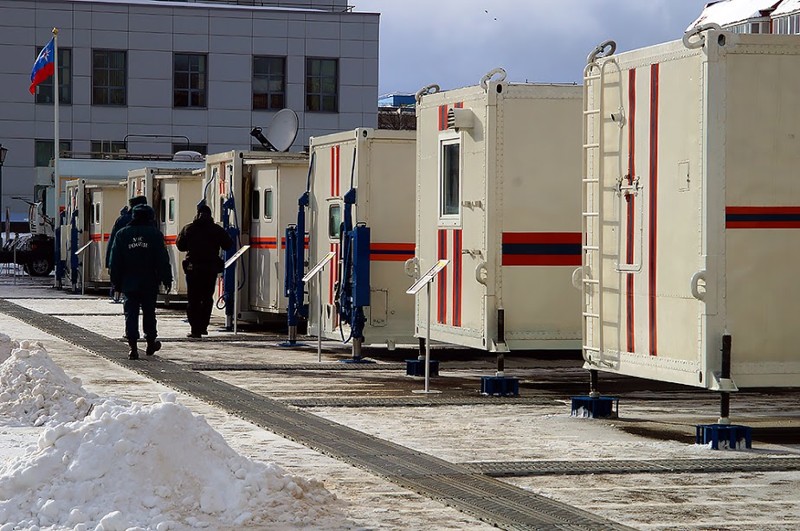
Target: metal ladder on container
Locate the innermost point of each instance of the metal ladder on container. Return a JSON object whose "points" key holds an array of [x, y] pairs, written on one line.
{"points": [[592, 206]]}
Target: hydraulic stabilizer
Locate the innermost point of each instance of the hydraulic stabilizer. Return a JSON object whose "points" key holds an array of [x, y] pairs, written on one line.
{"points": [[228, 275], [293, 285], [74, 260], [354, 284]]}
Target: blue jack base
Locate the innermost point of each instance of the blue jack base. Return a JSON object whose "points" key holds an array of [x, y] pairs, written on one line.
{"points": [[289, 344], [417, 368], [595, 407], [356, 360], [724, 436], [499, 386]]}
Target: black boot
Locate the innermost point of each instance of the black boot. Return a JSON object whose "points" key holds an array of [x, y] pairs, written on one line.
{"points": [[153, 346], [134, 353]]}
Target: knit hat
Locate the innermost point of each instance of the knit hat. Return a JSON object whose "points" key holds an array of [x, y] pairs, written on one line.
{"points": [[143, 213], [138, 200], [203, 211]]}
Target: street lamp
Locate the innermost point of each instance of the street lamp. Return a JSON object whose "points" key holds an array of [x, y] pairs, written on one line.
{"points": [[3, 152]]}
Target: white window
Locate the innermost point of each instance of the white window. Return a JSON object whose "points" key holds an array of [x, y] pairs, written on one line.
{"points": [[268, 204], [334, 221], [450, 180], [171, 209]]}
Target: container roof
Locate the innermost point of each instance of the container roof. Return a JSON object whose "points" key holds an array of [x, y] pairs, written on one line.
{"points": [[786, 7], [727, 12]]}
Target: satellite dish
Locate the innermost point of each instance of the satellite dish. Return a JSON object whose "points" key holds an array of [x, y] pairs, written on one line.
{"points": [[281, 131]]}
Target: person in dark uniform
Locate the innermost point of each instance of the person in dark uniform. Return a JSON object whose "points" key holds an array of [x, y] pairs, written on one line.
{"points": [[125, 216], [139, 262], [202, 240]]}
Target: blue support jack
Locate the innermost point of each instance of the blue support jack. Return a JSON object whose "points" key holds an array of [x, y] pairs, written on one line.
{"points": [[499, 386], [595, 407], [724, 436], [417, 368]]}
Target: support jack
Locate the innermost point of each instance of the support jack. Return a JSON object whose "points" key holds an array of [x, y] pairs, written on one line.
{"points": [[593, 405]]}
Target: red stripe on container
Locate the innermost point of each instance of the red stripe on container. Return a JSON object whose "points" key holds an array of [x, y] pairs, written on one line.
{"points": [[457, 270], [542, 237], [653, 218], [631, 208]]}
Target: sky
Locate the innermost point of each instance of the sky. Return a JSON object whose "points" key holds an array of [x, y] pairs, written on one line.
{"points": [[453, 43]]}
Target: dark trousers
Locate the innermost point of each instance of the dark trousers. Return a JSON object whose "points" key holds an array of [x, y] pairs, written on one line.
{"points": [[200, 292], [133, 301]]}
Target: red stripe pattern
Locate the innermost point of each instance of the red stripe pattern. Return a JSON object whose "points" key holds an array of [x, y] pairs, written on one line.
{"points": [[391, 252], [457, 272], [762, 217], [441, 279], [653, 217], [542, 248], [631, 207]]}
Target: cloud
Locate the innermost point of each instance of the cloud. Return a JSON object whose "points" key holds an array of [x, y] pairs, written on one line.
{"points": [[455, 42]]}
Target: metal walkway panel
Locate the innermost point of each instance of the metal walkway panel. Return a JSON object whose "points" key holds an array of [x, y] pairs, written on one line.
{"points": [[454, 485]]}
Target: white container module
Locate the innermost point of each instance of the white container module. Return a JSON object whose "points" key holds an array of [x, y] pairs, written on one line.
{"points": [[378, 166], [91, 209], [253, 195], [105, 203], [692, 205], [179, 192], [498, 195]]}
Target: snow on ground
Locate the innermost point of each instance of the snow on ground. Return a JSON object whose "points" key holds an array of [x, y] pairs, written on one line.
{"points": [[112, 465]]}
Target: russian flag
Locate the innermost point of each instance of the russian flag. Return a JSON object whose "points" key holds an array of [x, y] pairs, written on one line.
{"points": [[44, 66]]}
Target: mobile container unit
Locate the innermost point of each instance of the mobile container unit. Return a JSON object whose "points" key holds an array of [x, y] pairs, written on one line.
{"points": [[363, 177], [180, 191], [498, 195], [90, 212], [105, 203], [693, 208], [233, 182]]}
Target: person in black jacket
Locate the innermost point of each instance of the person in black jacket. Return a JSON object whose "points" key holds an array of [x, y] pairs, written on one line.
{"points": [[125, 216], [139, 262], [202, 240]]}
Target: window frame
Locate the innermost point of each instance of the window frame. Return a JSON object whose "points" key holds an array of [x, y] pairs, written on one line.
{"points": [[66, 145], [321, 94], [171, 210], [444, 219], [64, 80], [268, 204], [108, 149], [108, 88], [255, 205], [269, 77], [334, 233], [189, 89]]}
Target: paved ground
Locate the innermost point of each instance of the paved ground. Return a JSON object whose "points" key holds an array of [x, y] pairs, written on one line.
{"points": [[657, 422]]}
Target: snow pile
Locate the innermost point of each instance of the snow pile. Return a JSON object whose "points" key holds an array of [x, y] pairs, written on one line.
{"points": [[6, 346], [34, 391], [155, 467]]}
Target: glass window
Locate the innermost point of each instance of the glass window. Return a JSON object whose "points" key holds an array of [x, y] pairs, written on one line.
{"points": [[163, 213], [334, 221], [44, 90], [43, 151], [450, 179], [255, 204], [269, 82], [171, 209], [97, 212], [189, 80], [268, 204], [109, 77], [322, 82], [106, 149]]}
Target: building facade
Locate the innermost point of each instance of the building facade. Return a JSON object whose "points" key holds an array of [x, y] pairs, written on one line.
{"points": [[151, 77], [780, 17]]}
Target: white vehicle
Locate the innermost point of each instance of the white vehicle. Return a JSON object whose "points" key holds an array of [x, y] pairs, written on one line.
{"points": [[498, 195], [376, 168], [692, 211]]}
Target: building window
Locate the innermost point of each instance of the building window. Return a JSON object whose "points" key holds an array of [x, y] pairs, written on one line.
{"points": [[44, 91], [43, 151], [450, 179], [322, 85], [171, 209], [109, 77], [334, 221], [269, 82], [268, 204], [96, 213], [182, 146], [107, 149], [162, 214], [189, 80], [255, 204]]}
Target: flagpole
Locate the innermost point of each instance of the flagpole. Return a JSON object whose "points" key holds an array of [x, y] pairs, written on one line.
{"points": [[56, 142]]}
